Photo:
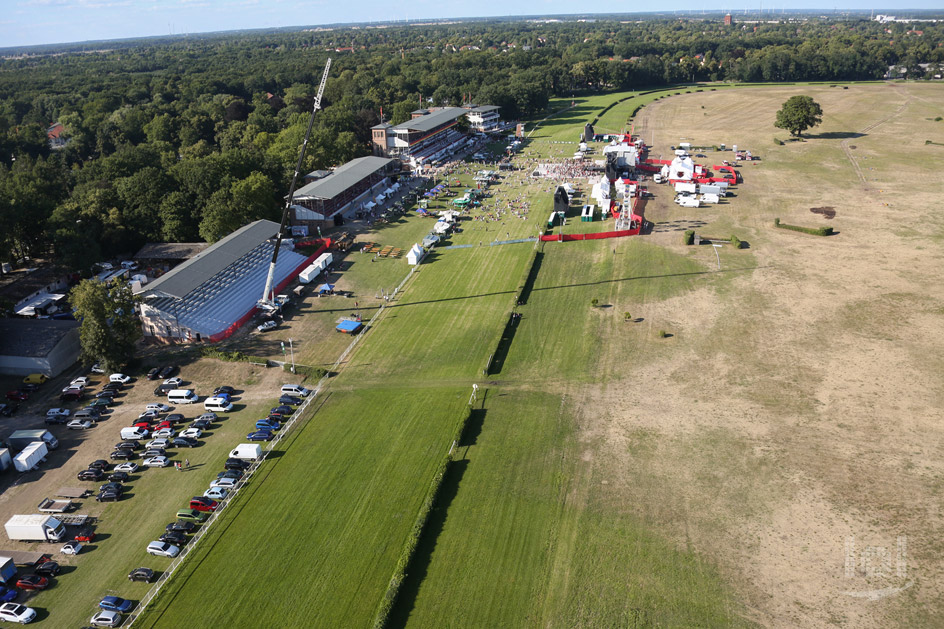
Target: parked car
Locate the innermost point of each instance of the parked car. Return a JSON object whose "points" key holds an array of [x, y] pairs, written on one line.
{"points": [[268, 325], [113, 386], [283, 409], [175, 382], [8, 594], [100, 464], [162, 389], [80, 382], [174, 418], [32, 582], [210, 417], [86, 534], [152, 452], [110, 492], [268, 424], [141, 574], [128, 445], [201, 503], [123, 454], [97, 369], [157, 461], [236, 464], [157, 443], [71, 395], [47, 569], [130, 468], [193, 433], [165, 424], [35, 378], [228, 390], [106, 618], [164, 432], [154, 373], [109, 394], [79, 424], [225, 483], [119, 477], [290, 399], [168, 371], [101, 403], [119, 377], [192, 514], [216, 493], [157, 406], [13, 612], [175, 537], [182, 526], [201, 424], [235, 474], [71, 548], [163, 549], [149, 414], [260, 435], [93, 474], [184, 442], [8, 409], [17, 395], [57, 412]]}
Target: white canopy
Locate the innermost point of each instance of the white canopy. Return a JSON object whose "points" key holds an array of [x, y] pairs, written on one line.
{"points": [[370, 204], [441, 227], [380, 198], [414, 255]]}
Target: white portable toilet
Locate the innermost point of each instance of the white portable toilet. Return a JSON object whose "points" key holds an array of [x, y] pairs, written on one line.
{"points": [[414, 255]]}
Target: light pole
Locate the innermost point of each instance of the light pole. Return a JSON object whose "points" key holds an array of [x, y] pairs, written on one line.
{"points": [[291, 348], [716, 247]]}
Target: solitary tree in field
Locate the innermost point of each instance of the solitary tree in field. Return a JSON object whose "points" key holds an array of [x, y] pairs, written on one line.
{"points": [[798, 114]]}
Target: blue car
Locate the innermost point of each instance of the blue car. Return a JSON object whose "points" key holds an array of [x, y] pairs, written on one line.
{"points": [[260, 435], [7, 594], [267, 424], [116, 604]]}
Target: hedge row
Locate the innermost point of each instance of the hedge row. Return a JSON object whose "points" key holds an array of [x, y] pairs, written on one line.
{"points": [[497, 339], [815, 231], [409, 548], [231, 357], [315, 373]]}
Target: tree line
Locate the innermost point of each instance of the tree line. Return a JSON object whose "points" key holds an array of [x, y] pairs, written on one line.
{"points": [[183, 139]]}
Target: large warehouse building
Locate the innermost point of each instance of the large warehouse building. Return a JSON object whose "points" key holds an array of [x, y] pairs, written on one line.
{"points": [[46, 346], [213, 294]]}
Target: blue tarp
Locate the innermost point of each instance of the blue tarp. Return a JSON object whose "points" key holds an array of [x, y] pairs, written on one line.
{"points": [[349, 327], [326, 288]]}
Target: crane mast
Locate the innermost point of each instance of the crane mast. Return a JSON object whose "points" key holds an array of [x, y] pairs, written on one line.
{"points": [[267, 302]]}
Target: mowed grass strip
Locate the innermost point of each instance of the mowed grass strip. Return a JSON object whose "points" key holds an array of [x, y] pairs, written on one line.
{"points": [[523, 536], [315, 537]]}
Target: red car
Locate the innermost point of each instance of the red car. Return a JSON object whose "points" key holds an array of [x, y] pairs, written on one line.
{"points": [[202, 503], [17, 395], [143, 424], [165, 424], [33, 582], [85, 535]]}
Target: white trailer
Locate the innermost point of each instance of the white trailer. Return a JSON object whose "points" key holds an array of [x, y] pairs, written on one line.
{"points": [[31, 456], [706, 188], [686, 201], [324, 260], [710, 198], [681, 186], [35, 528], [308, 274], [5, 459]]}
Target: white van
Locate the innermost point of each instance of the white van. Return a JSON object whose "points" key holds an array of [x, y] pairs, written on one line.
{"points": [[132, 433], [182, 396], [217, 405], [246, 451], [295, 389]]}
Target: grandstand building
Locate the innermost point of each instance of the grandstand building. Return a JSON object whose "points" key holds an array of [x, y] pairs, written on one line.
{"points": [[318, 203], [431, 135], [484, 119], [211, 295]]}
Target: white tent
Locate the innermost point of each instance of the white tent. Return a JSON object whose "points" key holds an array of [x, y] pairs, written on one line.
{"points": [[441, 227], [370, 204], [380, 198], [681, 169], [388, 191], [414, 255]]}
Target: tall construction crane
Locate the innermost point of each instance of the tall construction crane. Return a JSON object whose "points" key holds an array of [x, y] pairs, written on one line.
{"points": [[268, 299]]}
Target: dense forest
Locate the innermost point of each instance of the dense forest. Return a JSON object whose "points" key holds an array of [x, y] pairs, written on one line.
{"points": [[188, 138]]}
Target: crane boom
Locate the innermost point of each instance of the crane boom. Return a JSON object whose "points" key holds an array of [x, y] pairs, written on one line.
{"points": [[267, 301]]}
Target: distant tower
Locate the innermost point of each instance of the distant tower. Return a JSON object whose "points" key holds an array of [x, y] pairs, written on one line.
{"points": [[727, 20]]}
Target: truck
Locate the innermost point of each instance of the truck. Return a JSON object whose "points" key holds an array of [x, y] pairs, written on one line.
{"points": [[686, 201], [7, 570], [35, 528], [711, 189], [31, 456], [681, 186], [50, 505], [6, 461], [22, 438]]}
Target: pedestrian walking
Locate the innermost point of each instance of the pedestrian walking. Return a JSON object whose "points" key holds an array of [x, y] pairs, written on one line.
{"points": [[187, 463]]}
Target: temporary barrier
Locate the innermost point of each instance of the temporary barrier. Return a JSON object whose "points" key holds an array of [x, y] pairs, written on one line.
{"points": [[598, 236]]}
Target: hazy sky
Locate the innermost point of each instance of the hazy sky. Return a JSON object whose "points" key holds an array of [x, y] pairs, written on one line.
{"points": [[25, 22]]}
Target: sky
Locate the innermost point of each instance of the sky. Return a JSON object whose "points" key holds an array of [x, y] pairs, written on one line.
{"points": [[31, 22]]}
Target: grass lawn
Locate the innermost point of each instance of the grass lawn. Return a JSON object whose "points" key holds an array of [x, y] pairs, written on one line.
{"points": [[314, 538], [523, 538]]}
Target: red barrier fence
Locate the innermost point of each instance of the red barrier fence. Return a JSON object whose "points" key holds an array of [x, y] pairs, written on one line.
{"points": [[598, 236], [228, 332]]}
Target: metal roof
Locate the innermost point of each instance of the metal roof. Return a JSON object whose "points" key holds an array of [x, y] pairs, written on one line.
{"points": [[191, 274], [433, 120], [33, 338], [342, 178], [484, 109]]}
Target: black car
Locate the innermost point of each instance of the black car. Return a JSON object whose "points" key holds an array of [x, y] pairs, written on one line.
{"points": [[72, 395], [108, 496], [111, 487], [175, 537], [283, 410], [107, 393], [154, 373], [29, 387], [184, 442], [202, 424], [113, 386], [47, 569], [224, 389], [8, 409], [91, 474], [181, 526], [128, 445], [92, 412], [162, 389], [168, 371], [154, 452], [236, 464], [123, 454], [100, 464], [141, 574], [290, 399], [234, 474], [119, 477], [174, 418]]}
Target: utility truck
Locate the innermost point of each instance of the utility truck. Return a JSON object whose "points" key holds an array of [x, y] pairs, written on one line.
{"points": [[35, 528]]}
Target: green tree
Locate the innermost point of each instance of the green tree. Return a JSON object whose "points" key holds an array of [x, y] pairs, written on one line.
{"points": [[109, 327], [798, 114]]}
